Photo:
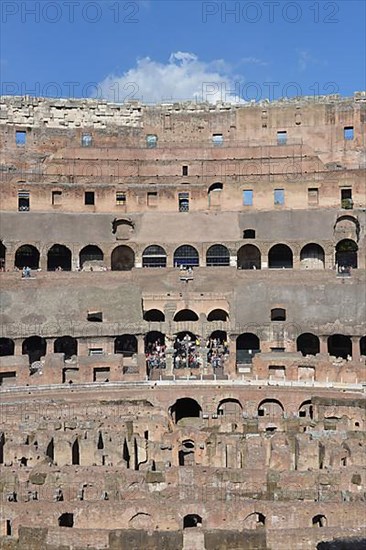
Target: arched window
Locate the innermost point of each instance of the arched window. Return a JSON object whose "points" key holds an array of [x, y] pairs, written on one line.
{"points": [[90, 253], [247, 345], [231, 409], [340, 346], [249, 257], [254, 521], [306, 410], [34, 347], [66, 345], [346, 254], [319, 521], [312, 256], [192, 520], [214, 194], [2, 255], [6, 347], [186, 453], [185, 408], [186, 255], [154, 316], [271, 408], [27, 256], [217, 255], [75, 453], [280, 256], [308, 344], [123, 258], [218, 315], [126, 344], [59, 256], [278, 314], [185, 315], [154, 256]]}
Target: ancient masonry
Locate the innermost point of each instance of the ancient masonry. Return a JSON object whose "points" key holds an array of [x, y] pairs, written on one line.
{"points": [[183, 321]]}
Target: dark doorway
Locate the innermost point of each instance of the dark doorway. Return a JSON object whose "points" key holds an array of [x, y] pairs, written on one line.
{"points": [[280, 256], [27, 256], [249, 257], [308, 344], [34, 347], [346, 254], [59, 258], [185, 408], [66, 520], [6, 347], [340, 346], [75, 453], [192, 520], [66, 345], [123, 258], [126, 345], [90, 253]]}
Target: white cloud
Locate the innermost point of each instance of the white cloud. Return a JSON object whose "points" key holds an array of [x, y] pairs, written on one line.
{"points": [[183, 77]]}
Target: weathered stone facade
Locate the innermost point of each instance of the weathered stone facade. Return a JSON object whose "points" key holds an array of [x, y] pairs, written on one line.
{"points": [[183, 366]]}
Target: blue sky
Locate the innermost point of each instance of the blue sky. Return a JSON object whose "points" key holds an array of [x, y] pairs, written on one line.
{"points": [[161, 50]]}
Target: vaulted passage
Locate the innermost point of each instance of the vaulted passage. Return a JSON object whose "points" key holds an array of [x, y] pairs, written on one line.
{"points": [[312, 257], [66, 345], [6, 347], [90, 253], [280, 256], [308, 344], [123, 258], [346, 254], [247, 345], [59, 257], [185, 408], [34, 347], [154, 316], [192, 520], [340, 346], [217, 315], [185, 315], [126, 344], [249, 257], [27, 256]]}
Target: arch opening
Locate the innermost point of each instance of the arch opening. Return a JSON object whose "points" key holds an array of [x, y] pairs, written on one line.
{"points": [[280, 256], [230, 409], [185, 315], [247, 346], [122, 258], [35, 347], [271, 408], [89, 255], [340, 346], [363, 345], [2, 256], [126, 344], [7, 347], [254, 521], [66, 345], [218, 315], [185, 408], [154, 256], [186, 354], [154, 316], [27, 256], [192, 520], [217, 255], [312, 256], [59, 258], [346, 254], [249, 257], [308, 344], [186, 256], [155, 350]]}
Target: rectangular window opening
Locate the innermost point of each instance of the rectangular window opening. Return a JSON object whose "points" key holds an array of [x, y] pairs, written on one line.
{"points": [[217, 139], [313, 195], [281, 137], [151, 141], [248, 197], [96, 351], [279, 196], [89, 198], [101, 374], [184, 170], [86, 140], [20, 137], [183, 199], [348, 132], [120, 198], [56, 197], [346, 198], [23, 201], [95, 316], [152, 198]]}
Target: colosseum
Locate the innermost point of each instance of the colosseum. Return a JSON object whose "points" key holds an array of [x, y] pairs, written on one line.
{"points": [[183, 349]]}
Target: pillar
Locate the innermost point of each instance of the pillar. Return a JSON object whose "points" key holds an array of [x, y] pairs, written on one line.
{"points": [[356, 352], [323, 340]]}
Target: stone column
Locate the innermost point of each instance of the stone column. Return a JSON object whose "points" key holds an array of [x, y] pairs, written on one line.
{"points": [[356, 352], [323, 344], [230, 364]]}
